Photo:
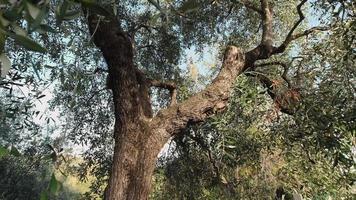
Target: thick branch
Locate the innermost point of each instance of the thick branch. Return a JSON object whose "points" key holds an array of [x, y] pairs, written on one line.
{"points": [[266, 15], [280, 100], [265, 48], [213, 99]]}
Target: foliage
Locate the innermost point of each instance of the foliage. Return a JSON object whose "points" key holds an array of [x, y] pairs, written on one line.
{"points": [[250, 151]]}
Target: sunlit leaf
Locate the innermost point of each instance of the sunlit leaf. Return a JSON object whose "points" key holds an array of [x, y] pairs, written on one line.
{"points": [[14, 151], [54, 185], [19, 31], [3, 152], [5, 65], [44, 28], [28, 43], [71, 15], [33, 10], [44, 195]]}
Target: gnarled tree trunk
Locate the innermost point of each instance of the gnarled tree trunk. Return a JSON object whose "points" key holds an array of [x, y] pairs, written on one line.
{"points": [[139, 136]]}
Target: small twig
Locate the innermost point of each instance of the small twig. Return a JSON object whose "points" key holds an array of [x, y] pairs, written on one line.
{"points": [[212, 161], [285, 71], [96, 28], [230, 11], [96, 93], [10, 83], [291, 36], [155, 4], [98, 69], [145, 46]]}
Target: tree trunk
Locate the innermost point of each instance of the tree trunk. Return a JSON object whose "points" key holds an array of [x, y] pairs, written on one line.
{"points": [[136, 145], [139, 136], [133, 165]]}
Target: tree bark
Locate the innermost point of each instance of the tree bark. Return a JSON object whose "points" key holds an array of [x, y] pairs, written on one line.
{"points": [[136, 148], [139, 136]]}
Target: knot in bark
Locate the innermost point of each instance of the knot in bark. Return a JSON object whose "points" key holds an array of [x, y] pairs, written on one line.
{"points": [[232, 53]]}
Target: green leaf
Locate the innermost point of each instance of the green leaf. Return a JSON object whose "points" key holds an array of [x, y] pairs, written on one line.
{"points": [[28, 43], [71, 15], [14, 151], [44, 195], [63, 8], [33, 10], [5, 65], [34, 24], [3, 151], [4, 22], [3, 38], [13, 14], [54, 185], [19, 30], [63, 11]]}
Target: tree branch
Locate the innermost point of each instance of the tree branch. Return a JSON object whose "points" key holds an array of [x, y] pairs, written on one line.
{"points": [[264, 49], [266, 15], [286, 42], [301, 18], [291, 36], [282, 101], [94, 93], [213, 99], [309, 31], [171, 86], [285, 71], [10, 83]]}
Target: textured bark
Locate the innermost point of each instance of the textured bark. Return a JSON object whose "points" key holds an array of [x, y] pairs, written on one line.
{"points": [[139, 136], [136, 148], [205, 103]]}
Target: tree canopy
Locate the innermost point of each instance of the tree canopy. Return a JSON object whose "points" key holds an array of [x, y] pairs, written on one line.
{"points": [[253, 99]]}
